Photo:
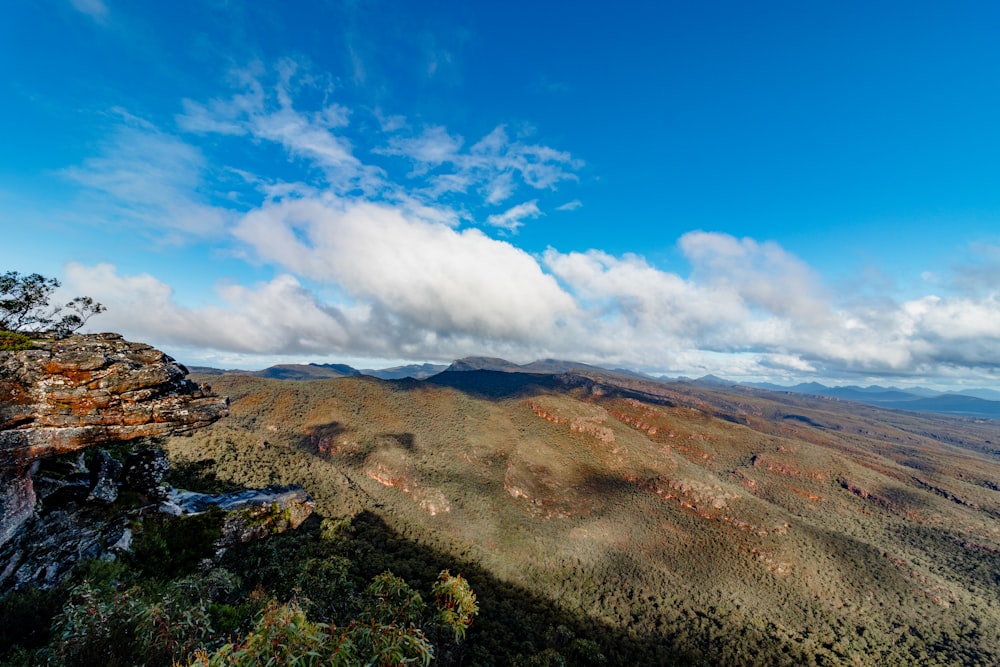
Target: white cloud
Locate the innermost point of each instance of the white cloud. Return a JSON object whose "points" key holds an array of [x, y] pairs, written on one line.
{"points": [[748, 298], [279, 316], [514, 217], [95, 9], [763, 274], [495, 165], [431, 148], [412, 283], [444, 172], [264, 110], [425, 273], [423, 290], [151, 180]]}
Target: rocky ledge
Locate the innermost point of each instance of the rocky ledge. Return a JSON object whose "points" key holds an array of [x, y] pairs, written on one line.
{"points": [[72, 393], [250, 514]]}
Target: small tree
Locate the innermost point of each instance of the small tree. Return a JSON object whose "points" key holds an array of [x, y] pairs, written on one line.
{"points": [[24, 306]]}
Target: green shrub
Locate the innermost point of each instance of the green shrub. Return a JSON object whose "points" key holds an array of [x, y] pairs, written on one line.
{"points": [[171, 547], [139, 625], [389, 600], [284, 636], [11, 341], [327, 584], [456, 603], [94, 628]]}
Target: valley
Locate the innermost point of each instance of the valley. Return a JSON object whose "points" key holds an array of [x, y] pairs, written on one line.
{"points": [[667, 522]]}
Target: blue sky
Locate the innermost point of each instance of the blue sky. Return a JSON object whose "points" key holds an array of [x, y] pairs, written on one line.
{"points": [[772, 190]]}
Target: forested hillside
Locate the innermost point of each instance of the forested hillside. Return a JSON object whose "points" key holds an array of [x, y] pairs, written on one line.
{"points": [[664, 523]]}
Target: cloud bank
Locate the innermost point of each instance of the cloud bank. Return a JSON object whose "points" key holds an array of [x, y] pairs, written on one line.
{"points": [[385, 251]]}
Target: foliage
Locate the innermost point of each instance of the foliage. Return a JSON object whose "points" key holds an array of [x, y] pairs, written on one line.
{"points": [[12, 341], [96, 629], [284, 636], [25, 308], [456, 603], [126, 613], [169, 547], [327, 585], [150, 625], [554, 526], [391, 601]]}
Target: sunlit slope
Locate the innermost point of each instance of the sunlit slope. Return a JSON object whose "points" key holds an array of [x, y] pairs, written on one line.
{"points": [[821, 531]]}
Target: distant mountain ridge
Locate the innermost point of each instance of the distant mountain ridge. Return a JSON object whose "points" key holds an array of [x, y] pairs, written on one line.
{"points": [[540, 366], [968, 403], [327, 371], [979, 403]]}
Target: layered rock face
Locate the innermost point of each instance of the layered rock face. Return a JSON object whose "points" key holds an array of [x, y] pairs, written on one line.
{"points": [[85, 390]]}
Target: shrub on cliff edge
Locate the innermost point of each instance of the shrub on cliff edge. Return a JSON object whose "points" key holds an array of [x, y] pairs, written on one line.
{"points": [[11, 341]]}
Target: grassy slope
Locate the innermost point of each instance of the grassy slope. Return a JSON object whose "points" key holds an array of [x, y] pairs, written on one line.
{"points": [[728, 526]]}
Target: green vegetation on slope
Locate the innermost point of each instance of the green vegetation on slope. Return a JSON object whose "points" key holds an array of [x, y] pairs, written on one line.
{"points": [[296, 597], [694, 526]]}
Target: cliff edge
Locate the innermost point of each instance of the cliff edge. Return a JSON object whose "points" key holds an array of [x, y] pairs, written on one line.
{"points": [[72, 393]]}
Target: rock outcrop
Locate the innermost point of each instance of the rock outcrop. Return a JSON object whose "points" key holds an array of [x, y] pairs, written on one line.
{"points": [[250, 514], [84, 390]]}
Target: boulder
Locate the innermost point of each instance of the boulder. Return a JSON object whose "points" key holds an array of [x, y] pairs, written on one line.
{"points": [[86, 390], [144, 472]]}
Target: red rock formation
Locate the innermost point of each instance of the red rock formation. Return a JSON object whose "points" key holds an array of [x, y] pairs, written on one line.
{"points": [[68, 394]]}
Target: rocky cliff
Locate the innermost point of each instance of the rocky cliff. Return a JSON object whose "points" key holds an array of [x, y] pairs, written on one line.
{"points": [[68, 394]]}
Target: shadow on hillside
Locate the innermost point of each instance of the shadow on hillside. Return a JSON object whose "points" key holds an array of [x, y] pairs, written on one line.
{"points": [[501, 385], [497, 385], [961, 558], [512, 621]]}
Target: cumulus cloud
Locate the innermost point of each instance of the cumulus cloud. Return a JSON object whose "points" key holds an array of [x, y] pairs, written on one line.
{"points": [[428, 274], [413, 277], [279, 316], [755, 302], [764, 275], [415, 289]]}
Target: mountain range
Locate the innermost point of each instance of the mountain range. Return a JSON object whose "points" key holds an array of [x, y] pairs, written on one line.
{"points": [[976, 403]]}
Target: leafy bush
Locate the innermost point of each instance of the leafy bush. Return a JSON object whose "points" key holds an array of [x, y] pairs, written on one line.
{"points": [[328, 585], [101, 625], [284, 636], [98, 629], [11, 341], [391, 601], [456, 603]]}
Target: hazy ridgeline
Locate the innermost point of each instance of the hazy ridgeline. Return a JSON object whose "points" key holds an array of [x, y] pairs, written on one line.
{"points": [[663, 523]]}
